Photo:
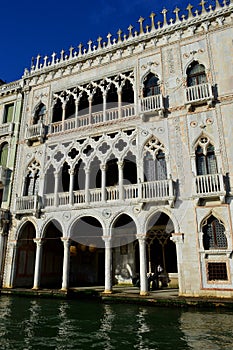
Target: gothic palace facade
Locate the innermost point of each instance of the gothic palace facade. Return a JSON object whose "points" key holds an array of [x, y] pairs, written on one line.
{"points": [[117, 158]]}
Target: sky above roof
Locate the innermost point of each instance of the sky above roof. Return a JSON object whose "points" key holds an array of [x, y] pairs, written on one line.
{"points": [[47, 26]]}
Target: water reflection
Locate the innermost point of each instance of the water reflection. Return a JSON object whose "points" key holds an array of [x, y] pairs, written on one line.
{"points": [[60, 325]]}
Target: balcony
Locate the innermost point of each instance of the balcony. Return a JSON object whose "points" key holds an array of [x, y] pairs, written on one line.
{"points": [[209, 186], [100, 117], [152, 104], [199, 94], [154, 191], [6, 129], [35, 133]]}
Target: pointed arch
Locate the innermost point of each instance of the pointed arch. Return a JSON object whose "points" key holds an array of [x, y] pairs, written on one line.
{"points": [[196, 74], [31, 183], [206, 161], [154, 160], [214, 236], [39, 112], [151, 85]]}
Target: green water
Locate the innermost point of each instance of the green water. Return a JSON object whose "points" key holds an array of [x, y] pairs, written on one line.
{"points": [[57, 324]]}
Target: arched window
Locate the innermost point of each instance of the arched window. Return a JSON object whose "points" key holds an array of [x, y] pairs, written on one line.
{"points": [[155, 167], [151, 85], [196, 74], [206, 162], [39, 113], [214, 234], [57, 111], [70, 108], [65, 177], [127, 95], [31, 186], [4, 154]]}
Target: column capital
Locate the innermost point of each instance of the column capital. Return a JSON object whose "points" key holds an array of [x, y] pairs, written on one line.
{"points": [[66, 241], [71, 171], [103, 166], [141, 237], [38, 241], [177, 237], [107, 240], [120, 164]]}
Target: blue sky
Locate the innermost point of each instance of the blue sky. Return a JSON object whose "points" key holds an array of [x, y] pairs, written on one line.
{"points": [[29, 28]]}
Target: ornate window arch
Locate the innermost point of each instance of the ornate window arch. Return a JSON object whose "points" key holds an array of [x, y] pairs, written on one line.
{"points": [[214, 234], [196, 74], [4, 154], [151, 85], [39, 113], [206, 162], [31, 184], [155, 167]]}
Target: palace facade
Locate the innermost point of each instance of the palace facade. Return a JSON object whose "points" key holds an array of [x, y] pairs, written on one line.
{"points": [[124, 160]]}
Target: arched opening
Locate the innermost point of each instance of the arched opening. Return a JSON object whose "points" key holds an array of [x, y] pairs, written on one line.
{"points": [[39, 113], [70, 108], [130, 169], [112, 172], [214, 234], [124, 259], [49, 180], [65, 177], [83, 106], [25, 257], [151, 85], [206, 162], [161, 250], [155, 167], [52, 256], [112, 97], [196, 74], [97, 101], [87, 259], [31, 186], [79, 176], [57, 111], [95, 178], [127, 95]]}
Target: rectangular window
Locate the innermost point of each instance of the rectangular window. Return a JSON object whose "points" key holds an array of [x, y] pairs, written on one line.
{"points": [[217, 271], [8, 115]]}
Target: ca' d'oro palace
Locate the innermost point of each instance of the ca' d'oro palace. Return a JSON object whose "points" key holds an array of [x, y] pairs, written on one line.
{"points": [[116, 160]]}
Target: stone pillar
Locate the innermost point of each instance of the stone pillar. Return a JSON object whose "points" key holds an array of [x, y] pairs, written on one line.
{"points": [[108, 265], [120, 177], [87, 185], [3, 237], [37, 272], [56, 176], [71, 197], [76, 112], [90, 108], [143, 265], [119, 103], [178, 239], [104, 106], [66, 263], [13, 251], [103, 182], [63, 116]]}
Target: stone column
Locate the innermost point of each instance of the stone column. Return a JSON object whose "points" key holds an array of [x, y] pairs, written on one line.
{"points": [[56, 176], [3, 237], [90, 108], [104, 106], [119, 103], [13, 251], [87, 184], [143, 265], [37, 272], [71, 197], [66, 263], [178, 239], [103, 182], [63, 116], [108, 265], [76, 112], [120, 177]]}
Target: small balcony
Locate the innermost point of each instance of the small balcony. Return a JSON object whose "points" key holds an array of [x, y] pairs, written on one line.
{"points": [[152, 104], [6, 129], [209, 186], [27, 205], [199, 94], [35, 133]]}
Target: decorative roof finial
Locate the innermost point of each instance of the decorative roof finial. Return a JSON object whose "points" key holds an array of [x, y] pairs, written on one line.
{"points": [[164, 12], [37, 61], [89, 46], [62, 55], [140, 21], [71, 52], [176, 11], [119, 36], [152, 16], [53, 58], [99, 42], [189, 8], [109, 39], [130, 31], [80, 49], [202, 4]]}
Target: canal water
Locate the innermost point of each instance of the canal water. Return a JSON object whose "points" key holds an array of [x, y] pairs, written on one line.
{"points": [[60, 324]]}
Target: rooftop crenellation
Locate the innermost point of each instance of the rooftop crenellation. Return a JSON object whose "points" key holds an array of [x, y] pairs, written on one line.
{"points": [[192, 15]]}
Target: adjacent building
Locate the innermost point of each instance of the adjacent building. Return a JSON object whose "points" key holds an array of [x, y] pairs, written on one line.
{"points": [[124, 163]]}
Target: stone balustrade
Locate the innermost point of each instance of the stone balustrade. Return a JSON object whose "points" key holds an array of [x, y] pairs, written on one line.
{"points": [[35, 132], [210, 185], [199, 93], [6, 129], [152, 103]]}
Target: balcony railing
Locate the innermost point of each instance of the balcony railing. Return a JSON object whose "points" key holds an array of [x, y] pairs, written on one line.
{"points": [[35, 132], [93, 119], [211, 185], [152, 103], [199, 93], [143, 192], [6, 129]]}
